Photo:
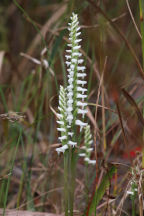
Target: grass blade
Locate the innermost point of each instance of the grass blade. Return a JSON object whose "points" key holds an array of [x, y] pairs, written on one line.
{"points": [[101, 190]]}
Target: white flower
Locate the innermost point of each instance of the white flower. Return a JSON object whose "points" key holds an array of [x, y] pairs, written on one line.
{"points": [[68, 56], [130, 192], [86, 159], [76, 54], [62, 138], [62, 149], [61, 129], [76, 47], [89, 149], [80, 61], [81, 75], [70, 134], [73, 144], [81, 68], [80, 123], [87, 146], [60, 122], [79, 103], [77, 34], [82, 154], [93, 162], [81, 82], [81, 96]]}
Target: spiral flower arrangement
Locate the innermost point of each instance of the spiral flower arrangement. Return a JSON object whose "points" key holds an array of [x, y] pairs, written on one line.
{"points": [[71, 99], [87, 149]]}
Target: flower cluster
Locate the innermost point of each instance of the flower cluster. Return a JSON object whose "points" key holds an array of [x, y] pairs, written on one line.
{"points": [[87, 147], [76, 91], [62, 120], [133, 184], [71, 99]]}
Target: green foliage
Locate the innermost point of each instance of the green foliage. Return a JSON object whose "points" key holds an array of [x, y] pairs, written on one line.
{"points": [[100, 191]]}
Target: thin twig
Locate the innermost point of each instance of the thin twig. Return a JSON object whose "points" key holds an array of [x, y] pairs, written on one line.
{"points": [[132, 17]]}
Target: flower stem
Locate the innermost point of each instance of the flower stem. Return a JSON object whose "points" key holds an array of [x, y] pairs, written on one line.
{"points": [[66, 191], [72, 179]]}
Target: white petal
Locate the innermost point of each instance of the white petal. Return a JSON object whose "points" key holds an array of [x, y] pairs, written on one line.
{"points": [[62, 138], [81, 82], [89, 149], [45, 63], [78, 28], [65, 147], [90, 142], [81, 111], [81, 89], [77, 34], [70, 94], [70, 134], [59, 115], [79, 103], [59, 108], [74, 60], [80, 123], [76, 47], [69, 109], [62, 149], [78, 40], [68, 56], [68, 63], [93, 162], [70, 87], [72, 67], [81, 68], [76, 54], [73, 144], [61, 129], [70, 117], [70, 101], [69, 51], [80, 61], [82, 154], [70, 80], [81, 96], [130, 192], [60, 122], [81, 75], [58, 150], [87, 159], [74, 25], [83, 147]]}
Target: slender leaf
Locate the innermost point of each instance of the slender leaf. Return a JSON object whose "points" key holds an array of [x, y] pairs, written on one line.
{"points": [[99, 193]]}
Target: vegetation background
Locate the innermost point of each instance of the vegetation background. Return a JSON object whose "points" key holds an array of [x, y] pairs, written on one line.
{"points": [[33, 39]]}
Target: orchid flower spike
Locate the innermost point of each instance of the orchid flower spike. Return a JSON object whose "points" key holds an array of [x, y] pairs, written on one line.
{"points": [[72, 103], [76, 91], [62, 120], [87, 149]]}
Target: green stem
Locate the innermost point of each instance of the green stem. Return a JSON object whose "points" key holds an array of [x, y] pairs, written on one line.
{"points": [[66, 191], [72, 179], [133, 207], [86, 182]]}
